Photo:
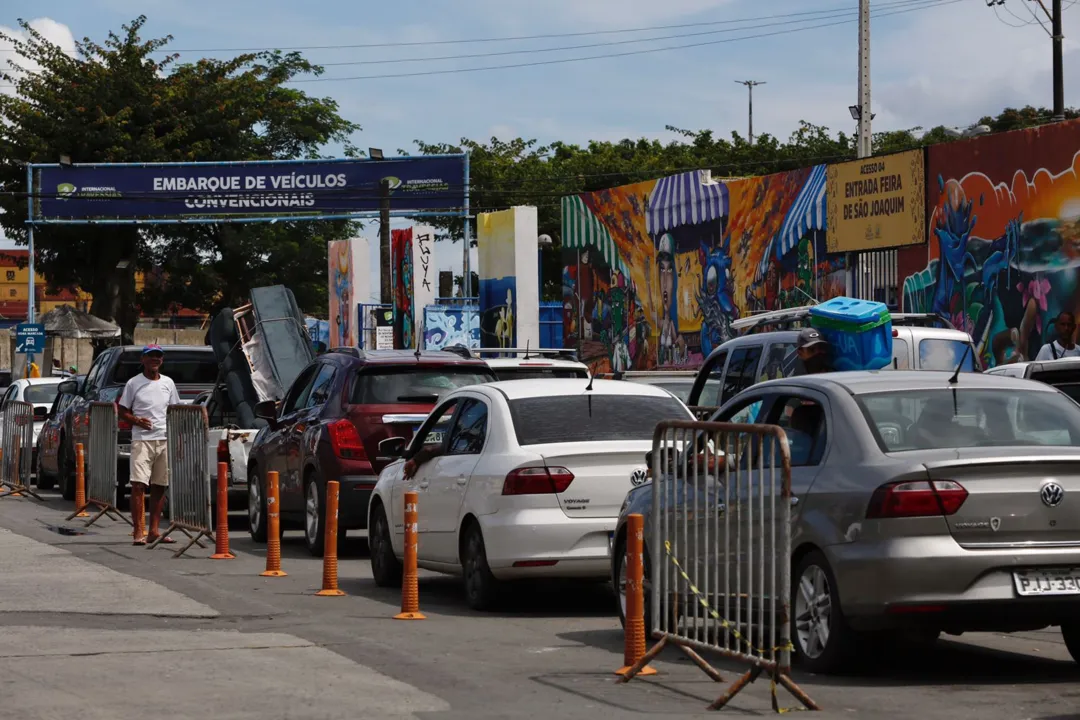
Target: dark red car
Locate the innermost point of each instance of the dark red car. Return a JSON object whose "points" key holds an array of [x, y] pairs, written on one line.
{"points": [[330, 426]]}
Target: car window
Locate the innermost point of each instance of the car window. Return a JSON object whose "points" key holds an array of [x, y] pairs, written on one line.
{"points": [[939, 354], [95, 372], [745, 413], [396, 385], [803, 421], [40, 394], [591, 417], [711, 394], [320, 389], [680, 390], [901, 355], [183, 367], [1067, 381], [433, 431], [741, 371], [964, 418], [9, 395], [298, 393], [470, 429], [779, 362]]}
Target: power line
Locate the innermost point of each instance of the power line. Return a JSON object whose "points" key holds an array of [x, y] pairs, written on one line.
{"points": [[560, 61]]}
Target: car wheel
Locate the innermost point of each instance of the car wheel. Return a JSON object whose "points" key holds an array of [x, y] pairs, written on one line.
{"points": [[823, 641], [314, 517], [256, 507], [44, 480], [66, 466], [385, 567], [1070, 632], [481, 587]]}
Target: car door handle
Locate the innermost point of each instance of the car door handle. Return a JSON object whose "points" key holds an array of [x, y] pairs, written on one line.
{"points": [[462, 480]]}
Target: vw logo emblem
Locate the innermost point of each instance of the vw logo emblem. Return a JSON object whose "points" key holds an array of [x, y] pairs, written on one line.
{"points": [[639, 476], [1052, 494]]}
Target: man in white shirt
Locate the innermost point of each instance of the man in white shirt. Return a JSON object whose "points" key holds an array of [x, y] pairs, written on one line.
{"points": [[1063, 346], [144, 403]]}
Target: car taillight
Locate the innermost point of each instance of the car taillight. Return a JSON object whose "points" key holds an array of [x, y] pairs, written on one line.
{"points": [[346, 441], [537, 481], [917, 498]]}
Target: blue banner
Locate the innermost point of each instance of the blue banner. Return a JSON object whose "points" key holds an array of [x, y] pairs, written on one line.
{"points": [[318, 187]]}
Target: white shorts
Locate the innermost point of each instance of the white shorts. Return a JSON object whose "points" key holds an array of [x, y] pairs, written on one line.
{"points": [[150, 462]]}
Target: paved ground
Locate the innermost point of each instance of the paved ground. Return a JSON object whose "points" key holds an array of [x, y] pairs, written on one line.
{"points": [[93, 627]]}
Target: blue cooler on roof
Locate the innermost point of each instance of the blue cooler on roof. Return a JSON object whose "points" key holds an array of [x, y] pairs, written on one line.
{"points": [[859, 331]]}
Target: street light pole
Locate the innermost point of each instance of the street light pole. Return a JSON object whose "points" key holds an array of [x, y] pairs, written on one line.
{"points": [[750, 85], [1059, 73], [865, 140]]}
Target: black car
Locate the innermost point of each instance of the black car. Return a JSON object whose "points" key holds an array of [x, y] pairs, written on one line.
{"points": [[48, 444], [332, 424], [192, 368]]}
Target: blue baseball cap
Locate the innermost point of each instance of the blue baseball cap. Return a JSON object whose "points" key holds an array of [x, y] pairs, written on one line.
{"points": [[152, 349]]}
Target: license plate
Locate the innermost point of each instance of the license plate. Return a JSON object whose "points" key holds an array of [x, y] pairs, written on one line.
{"points": [[1047, 582], [435, 437], [125, 449]]}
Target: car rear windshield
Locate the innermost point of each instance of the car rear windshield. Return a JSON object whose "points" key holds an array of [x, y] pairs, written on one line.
{"points": [[539, 373], [942, 418], [1067, 381], [40, 394], [590, 417], [413, 384], [183, 368], [940, 354]]}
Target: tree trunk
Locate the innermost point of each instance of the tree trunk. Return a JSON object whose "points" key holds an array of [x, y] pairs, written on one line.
{"points": [[114, 287]]}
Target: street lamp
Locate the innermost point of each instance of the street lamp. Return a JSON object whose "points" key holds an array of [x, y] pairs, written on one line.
{"points": [[542, 243]]}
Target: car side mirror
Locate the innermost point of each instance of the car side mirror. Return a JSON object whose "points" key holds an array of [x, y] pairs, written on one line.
{"points": [[267, 410], [393, 447], [40, 413], [68, 387]]}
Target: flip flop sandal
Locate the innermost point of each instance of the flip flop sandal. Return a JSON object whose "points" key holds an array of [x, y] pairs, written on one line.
{"points": [[139, 541]]}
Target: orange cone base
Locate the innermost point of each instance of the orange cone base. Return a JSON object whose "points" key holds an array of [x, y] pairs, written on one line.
{"points": [[82, 514], [330, 593], [222, 556], [274, 573], [647, 670], [410, 616]]}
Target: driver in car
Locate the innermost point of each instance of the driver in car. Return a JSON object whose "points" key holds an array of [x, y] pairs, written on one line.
{"points": [[814, 353]]}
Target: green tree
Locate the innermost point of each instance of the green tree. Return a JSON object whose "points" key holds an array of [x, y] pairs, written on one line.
{"points": [[122, 101]]}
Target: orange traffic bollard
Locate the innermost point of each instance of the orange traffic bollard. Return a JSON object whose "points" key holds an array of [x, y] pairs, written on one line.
{"points": [[273, 528], [329, 564], [410, 589], [634, 629], [80, 481], [221, 551]]}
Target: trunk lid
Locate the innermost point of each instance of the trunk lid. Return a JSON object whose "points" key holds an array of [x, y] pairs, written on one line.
{"points": [[1017, 497], [376, 423], [603, 474]]}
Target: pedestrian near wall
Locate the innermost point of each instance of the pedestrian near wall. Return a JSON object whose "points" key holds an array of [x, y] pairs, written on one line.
{"points": [[1063, 345], [144, 403]]}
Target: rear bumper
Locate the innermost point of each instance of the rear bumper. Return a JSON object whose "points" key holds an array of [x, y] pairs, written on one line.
{"points": [[577, 546], [932, 581], [353, 500]]}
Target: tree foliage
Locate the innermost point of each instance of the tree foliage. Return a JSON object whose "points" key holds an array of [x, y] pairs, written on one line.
{"points": [[123, 101]]}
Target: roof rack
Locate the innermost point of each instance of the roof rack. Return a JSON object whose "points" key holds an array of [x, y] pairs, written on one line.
{"points": [[355, 352], [784, 317], [551, 353], [922, 320]]}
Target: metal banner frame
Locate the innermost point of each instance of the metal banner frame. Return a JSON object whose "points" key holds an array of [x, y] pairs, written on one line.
{"points": [[101, 461], [190, 500], [17, 446]]}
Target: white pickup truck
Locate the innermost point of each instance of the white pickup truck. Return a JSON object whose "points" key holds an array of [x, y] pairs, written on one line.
{"points": [[229, 444]]}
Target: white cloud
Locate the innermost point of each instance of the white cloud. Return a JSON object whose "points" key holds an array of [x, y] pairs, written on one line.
{"points": [[51, 30]]}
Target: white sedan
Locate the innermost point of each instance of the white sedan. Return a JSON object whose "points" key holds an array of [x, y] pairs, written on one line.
{"points": [[518, 479]]}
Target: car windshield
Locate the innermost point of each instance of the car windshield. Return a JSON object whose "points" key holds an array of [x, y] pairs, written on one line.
{"points": [[412, 384], [939, 354], [42, 394], [591, 417], [183, 369], [538, 373], [943, 418]]}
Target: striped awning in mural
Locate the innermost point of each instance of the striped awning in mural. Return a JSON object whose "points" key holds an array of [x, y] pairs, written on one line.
{"points": [[806, 213], [581, 228], [685, 199]]}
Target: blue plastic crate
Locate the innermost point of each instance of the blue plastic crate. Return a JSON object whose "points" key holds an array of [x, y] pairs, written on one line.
{"points": [[850, 311], [859, 331]]}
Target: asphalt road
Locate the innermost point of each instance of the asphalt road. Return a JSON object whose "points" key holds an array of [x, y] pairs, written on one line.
{"points": [[93, 627]]}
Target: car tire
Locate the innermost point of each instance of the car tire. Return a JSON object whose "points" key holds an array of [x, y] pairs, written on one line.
{"points": [[817, 607], [257, 520], [1070, 633], [44, 480], [314, 515], [482, 589], [385, 566]]}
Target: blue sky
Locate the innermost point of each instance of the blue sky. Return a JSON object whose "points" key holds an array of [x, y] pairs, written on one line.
{"points": [[947, 63]]}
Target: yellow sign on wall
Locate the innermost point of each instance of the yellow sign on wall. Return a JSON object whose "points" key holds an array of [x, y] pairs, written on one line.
{"points": [[876, 203]]}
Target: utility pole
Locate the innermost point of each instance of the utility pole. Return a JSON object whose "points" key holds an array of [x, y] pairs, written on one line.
{"points": [[750, 85], [1059, 80], [864, 146], [386, 288]]}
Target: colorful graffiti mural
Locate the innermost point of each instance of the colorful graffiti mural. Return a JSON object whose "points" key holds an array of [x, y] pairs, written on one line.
{"points": [[401, 262], [1003, 252], [342, 294], [449, 325], [498, 278], [655, 272]]}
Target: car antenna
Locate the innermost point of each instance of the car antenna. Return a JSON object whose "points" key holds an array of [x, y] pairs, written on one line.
{"points": [[417, 353], [526, 350], [956, 374], [588, 388]]}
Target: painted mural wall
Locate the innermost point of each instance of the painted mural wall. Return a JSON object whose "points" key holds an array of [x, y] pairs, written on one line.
{"points": [[507, 250], [1003, 252], [655, 272], [401, 271], [449, 325], [342, 293]]}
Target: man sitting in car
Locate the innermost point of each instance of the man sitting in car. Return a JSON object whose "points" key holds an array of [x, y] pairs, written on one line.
{"points": [[814, 354]]}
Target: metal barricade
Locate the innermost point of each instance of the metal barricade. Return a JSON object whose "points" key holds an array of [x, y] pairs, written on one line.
{"points": [[17, 443], [719, 540], [101, 460], [188, 433]]}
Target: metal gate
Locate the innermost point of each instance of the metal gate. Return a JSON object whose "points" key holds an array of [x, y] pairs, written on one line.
{"points": [[101, 461], [876, 276], [17, 444], [188, 434]]}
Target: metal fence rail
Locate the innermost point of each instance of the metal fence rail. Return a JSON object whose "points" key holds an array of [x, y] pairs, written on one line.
{"points": [[188, 433], [17, 444], [101, 461], [719, 539]]}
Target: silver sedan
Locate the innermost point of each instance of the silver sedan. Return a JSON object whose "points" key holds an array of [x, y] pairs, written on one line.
{"points": [[924, 505]]}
